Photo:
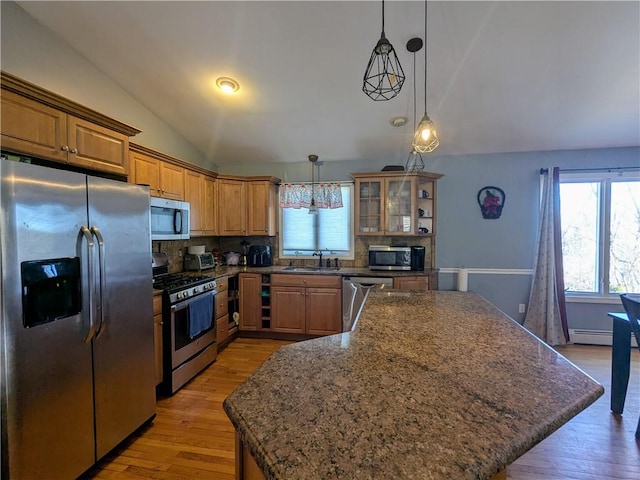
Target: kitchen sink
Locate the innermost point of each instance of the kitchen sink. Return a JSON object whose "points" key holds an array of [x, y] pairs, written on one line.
{"points": [[309, 269]]}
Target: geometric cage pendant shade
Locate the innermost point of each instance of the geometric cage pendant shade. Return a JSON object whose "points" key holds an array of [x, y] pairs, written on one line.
{"points": [[425, 139], [384, 76]]}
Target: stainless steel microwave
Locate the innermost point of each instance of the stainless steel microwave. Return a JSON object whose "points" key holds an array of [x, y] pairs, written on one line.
{"points": [[389, 257], [386, 257], [169, 219]]}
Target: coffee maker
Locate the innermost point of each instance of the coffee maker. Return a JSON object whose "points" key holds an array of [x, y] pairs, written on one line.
{"points": [[243, 256]]}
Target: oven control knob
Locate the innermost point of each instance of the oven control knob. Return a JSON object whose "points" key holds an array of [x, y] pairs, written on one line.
{"points": [[179, 295], [195, 290]]}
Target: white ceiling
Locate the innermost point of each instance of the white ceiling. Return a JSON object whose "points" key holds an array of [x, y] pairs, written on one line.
{"points": [[503, 76]]}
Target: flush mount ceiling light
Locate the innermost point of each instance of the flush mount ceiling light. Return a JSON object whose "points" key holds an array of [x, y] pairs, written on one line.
{"points": [[425, 138], [227, 85], [384, 76], [414, 160], [398, 121], [313, 208]]}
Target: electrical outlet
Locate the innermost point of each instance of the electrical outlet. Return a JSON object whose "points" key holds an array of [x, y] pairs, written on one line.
{"points": [[521, 308]]}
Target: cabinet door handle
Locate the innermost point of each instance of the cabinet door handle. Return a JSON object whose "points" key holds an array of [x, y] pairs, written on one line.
{"points": [[74, 150], [64, 148]]}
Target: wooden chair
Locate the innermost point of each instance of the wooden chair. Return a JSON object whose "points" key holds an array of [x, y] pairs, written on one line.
{"points": [[631, 304]]}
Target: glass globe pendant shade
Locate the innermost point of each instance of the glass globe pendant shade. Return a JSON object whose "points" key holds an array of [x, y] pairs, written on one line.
{"points": [[384, 76], [425, 139]]}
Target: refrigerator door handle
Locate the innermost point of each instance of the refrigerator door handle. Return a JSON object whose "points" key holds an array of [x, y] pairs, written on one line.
{"points": [[90, 246], [102, 325]]}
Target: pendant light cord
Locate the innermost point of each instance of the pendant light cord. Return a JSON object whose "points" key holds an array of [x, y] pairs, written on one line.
{"points": [[425, 56], [383, 18], [414, 91]]}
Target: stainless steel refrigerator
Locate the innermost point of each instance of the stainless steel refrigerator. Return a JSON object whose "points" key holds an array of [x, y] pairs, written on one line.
{"points": [[77, 361]]}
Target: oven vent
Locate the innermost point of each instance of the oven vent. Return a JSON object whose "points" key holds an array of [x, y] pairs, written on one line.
{"points": [[594, 337]]}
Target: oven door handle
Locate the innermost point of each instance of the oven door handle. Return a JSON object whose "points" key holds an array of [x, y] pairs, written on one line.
{"points": [[181, 305]]}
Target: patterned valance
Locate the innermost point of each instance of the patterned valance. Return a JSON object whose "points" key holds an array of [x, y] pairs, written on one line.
{"points": [[326, 195]]}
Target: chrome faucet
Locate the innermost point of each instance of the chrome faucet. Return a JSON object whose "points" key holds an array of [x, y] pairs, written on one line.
{"points": [[315, 254]]}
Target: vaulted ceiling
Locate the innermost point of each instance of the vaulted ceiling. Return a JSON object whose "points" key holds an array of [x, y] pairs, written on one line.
{"points": [[502, 76]]}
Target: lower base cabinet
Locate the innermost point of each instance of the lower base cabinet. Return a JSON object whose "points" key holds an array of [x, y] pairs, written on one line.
{"points": [[417, 283], [306, 304], [250, 301]]}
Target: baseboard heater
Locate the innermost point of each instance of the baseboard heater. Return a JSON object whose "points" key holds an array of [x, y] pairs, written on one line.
{"points": [[594, 337]]}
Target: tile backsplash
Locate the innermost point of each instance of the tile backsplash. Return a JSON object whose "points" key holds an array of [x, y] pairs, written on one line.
{"points": [[175, 249]]}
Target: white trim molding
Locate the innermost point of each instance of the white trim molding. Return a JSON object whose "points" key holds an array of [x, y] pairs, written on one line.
{"points": [[490, 271]]}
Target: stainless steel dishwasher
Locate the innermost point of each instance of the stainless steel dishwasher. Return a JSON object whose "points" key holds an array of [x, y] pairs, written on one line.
{"points": [[354, 294]]}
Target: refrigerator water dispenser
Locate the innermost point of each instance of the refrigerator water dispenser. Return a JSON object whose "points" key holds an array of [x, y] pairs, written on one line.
{"points": [[51, 290]]}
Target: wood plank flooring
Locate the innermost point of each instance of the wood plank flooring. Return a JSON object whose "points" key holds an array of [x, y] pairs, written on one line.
{"points": [[191, 436]]}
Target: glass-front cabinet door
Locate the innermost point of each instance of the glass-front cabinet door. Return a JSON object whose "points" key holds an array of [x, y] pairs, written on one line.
{"points": [[400, 215], [370, 206], [396, 204]]}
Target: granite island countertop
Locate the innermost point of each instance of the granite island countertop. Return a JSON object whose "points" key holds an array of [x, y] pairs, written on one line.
{"points": [[430, 385]]}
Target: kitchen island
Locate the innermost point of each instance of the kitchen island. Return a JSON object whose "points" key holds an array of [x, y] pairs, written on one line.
{"points": [[434, 385]]}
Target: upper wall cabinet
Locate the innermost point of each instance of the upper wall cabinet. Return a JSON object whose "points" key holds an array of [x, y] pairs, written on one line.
{"points": [[39, 123], [165, 179], [246, 205], [396, 203], [200, 192], [261, 207]]}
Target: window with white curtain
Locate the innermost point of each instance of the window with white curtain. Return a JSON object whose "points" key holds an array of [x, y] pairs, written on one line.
{"points": [[329, 231], [600, 216]]}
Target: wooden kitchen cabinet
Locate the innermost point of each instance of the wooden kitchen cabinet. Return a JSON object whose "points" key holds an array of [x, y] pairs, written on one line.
{"points": [[165, 179], [222, 310], [308, 304], [200, 192], [395, 203], [232, 211], [32, 128], [209, 217], [261, 208], [157, 336], [193, 193], [417, 283], [249, 286], [246, 205], [288, 309]]}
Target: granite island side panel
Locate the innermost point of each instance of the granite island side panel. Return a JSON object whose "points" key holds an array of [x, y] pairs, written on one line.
{"points": [[430, 385]]}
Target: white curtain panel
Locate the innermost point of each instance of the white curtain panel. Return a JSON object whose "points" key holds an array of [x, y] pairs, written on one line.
{"points": [[543, 314]]}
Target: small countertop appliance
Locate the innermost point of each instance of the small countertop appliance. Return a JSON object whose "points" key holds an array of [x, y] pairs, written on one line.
{"points": [[259, 256], [199, 261]]}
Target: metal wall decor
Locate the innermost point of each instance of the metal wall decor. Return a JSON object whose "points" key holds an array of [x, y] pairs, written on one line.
{"points": [[425, 138], [384, 76], [491, 201]]}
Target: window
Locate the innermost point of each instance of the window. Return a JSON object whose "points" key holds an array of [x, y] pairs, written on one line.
{"points": [[600, 215], [331, 230]]}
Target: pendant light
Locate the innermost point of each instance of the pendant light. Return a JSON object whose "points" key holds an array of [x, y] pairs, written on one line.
{"points": [[414, 160], [313, 209], [425, 138], [384, 76]]}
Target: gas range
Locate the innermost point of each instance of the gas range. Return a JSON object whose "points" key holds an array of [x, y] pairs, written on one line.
{"points": [[180, 286]]}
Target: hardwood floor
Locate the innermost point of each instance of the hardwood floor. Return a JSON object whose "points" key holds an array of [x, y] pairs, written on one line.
{"points": [[191, 436]]}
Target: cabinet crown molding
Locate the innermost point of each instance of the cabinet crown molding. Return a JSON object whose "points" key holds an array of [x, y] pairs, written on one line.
{"points": [[34, 92]]}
